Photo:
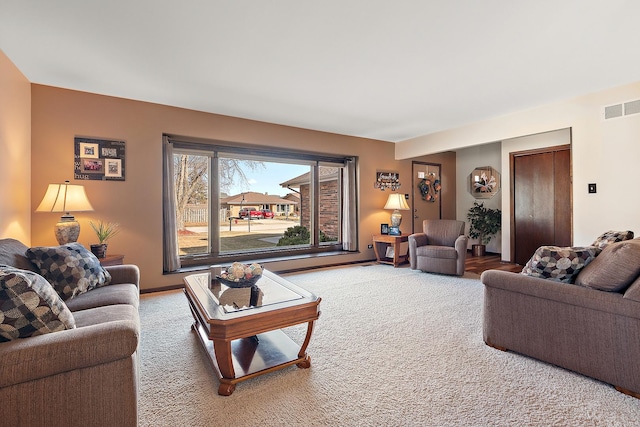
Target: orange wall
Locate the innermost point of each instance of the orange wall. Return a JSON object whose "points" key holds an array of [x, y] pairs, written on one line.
{"points": [[59, 115], [15, 152]]}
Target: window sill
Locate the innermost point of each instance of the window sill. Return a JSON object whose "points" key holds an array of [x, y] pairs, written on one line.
{"points": [[196, 268]]}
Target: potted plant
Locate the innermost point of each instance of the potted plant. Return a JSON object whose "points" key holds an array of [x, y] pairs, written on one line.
{"points": [[104, 231], [484, 224]]}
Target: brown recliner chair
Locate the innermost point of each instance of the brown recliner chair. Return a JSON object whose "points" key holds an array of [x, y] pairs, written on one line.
{"points": [[440, 248]]}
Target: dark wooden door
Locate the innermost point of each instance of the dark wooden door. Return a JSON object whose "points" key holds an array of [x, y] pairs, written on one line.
{"points": [[541, 201]]}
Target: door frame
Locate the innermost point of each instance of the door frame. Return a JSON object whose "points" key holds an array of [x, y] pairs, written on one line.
{"points": [[414, 185], [512, 191]]}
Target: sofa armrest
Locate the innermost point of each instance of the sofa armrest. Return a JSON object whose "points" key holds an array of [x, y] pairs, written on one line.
{"points": [[579, 296], [127, 273], [28, 359]]}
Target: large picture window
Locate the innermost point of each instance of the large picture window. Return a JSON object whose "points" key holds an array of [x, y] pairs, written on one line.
{"points": [[227, 202]]}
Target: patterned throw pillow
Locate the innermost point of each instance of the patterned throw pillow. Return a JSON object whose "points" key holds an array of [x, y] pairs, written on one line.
{"points": [[612, 237], [559, 264], [29, 306], [71, 269]]}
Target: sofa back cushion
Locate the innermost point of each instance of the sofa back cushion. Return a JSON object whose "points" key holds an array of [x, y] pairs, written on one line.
{"points": [[12, 252], [614, 269], [29, 305], [71, 268]]}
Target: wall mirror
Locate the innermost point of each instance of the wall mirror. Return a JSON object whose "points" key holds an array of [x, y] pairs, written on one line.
{"points": [[484, 182]]}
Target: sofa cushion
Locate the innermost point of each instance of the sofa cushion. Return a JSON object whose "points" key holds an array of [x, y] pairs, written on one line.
{"points": [[121, 293], [433, 251], [29, 305], [617, 266], [71, 268], [611, 236], [633, 291], [560, 264]]}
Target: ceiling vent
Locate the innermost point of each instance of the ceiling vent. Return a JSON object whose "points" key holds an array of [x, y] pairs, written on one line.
{"points": [[622, 109]]}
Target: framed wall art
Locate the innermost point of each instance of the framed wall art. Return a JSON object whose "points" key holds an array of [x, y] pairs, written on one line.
{"points": [[99, 159], [484, 182], [386, 180]]}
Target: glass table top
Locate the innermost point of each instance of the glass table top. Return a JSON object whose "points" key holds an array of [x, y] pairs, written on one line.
{"points": [[269, 290]]}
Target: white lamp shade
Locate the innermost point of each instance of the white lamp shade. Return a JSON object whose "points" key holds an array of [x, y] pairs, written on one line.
{"points": [[65, 198], [397, 201]]}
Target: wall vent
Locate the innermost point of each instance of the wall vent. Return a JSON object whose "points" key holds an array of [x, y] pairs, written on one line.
{"points": [[632, 107], [613, 111], [622, 109]]}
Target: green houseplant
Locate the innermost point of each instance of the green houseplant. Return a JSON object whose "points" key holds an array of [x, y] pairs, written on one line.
{"points": [[104, 232], [484, 224]]}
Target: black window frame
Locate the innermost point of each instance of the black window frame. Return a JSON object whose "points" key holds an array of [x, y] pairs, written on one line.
{"points": [[215, 149]]}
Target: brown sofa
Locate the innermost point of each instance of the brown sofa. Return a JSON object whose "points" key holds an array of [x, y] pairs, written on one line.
{"points": [[86, 376], [591, 326]]}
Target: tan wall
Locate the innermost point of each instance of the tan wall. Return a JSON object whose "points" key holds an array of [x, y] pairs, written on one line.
{"points": [[59, 115], [15, 152]]}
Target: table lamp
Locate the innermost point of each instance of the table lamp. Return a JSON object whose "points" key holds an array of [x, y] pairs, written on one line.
{"points": [[65, 198], [397, 202]]}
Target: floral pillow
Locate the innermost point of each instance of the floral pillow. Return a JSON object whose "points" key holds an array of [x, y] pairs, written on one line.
{"points": [[558, 263], [29, 306], [71, 268], [611, 236]]}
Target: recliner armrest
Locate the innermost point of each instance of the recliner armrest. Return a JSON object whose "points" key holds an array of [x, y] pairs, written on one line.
{"points": [[418, 239], [415, 240], [461, 243]]}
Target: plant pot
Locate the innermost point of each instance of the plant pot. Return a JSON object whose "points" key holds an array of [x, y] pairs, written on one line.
{"points": [[99, 250], [478, 250]]}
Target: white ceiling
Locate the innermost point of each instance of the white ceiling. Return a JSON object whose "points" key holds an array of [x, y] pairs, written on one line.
{"points": [[382, 69]]}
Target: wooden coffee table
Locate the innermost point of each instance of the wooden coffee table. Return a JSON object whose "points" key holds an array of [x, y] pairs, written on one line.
{"points": [[240, 328]]}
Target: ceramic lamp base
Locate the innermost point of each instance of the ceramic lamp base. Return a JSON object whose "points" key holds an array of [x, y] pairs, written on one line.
{"points": [[396, 218], [67, 232]]}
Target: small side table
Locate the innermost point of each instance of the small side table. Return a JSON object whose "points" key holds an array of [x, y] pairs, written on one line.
{"points": [[383, 241], [112, 260]]}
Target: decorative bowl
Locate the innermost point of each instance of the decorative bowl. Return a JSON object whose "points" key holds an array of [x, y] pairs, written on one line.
{"points": [[244, 283]]}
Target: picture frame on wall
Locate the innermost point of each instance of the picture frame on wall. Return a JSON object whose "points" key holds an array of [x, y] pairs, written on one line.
{"points": [[99, 159], [384, 228]]}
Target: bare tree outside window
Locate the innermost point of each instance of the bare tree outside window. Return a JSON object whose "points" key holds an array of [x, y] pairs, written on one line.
{"points": [[192, 180]]}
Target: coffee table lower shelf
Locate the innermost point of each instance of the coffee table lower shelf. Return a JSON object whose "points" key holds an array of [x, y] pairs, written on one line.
{"points": [[274, 351]]}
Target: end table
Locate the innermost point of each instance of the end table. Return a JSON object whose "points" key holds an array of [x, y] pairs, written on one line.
{"points": [[111, 260], [383, 241]]}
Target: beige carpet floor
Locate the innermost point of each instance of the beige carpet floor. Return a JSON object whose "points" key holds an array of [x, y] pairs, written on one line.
{"points": [[392, 347]]}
